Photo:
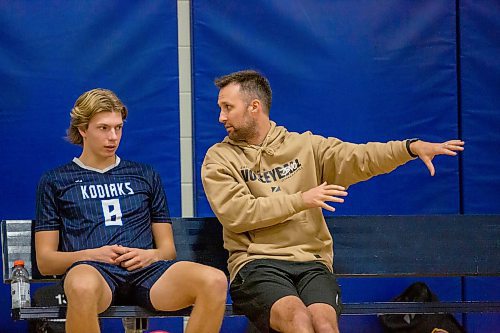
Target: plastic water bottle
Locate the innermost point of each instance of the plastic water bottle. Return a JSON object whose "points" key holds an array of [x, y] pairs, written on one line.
{"points": [[20, 286]]}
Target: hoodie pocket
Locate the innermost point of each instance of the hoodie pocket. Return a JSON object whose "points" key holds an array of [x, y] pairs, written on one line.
{"points": [[292, 232]]}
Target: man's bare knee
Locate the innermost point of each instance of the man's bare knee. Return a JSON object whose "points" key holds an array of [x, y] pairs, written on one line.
{"points": [[325, 326], [289, 314], [295, 321], [324, 318], [85, 287], [80, 289], [216, 283]]}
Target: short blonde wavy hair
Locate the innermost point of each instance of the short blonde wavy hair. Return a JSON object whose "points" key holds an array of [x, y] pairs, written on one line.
{"points": [[87, 105]]}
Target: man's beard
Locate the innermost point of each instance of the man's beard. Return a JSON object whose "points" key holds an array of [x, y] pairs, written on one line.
{"points": [[247, 131]]}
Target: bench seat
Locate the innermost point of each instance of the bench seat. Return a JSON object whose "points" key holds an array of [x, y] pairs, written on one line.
{"points": [[364, 246], [58, 312]]}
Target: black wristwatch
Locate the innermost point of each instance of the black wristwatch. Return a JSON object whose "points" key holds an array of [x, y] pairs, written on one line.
{"points": [[408, 142]]}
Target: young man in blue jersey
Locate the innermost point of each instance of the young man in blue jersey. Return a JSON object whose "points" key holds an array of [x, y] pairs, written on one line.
{"points": [[104, 223]]}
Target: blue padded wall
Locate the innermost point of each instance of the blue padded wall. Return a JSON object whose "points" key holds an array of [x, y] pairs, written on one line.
{"points": [[482, 289], [480, 98], [54, 51], [360, 71], [480, 81], [50, 53]]}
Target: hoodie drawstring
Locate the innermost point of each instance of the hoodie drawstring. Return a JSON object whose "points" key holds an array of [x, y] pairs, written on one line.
{"points": [[268, 150]]}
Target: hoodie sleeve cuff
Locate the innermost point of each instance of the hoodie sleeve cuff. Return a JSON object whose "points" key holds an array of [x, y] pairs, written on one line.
{"points": [[298, 204]]}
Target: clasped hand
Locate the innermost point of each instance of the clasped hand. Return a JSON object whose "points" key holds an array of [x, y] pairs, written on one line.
{"points": [[126, 257]]}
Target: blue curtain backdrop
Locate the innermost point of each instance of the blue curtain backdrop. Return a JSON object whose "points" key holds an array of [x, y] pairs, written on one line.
{"points": [[480, 106], [50, 53], [370, 71], [359, 71], [480, 97]]}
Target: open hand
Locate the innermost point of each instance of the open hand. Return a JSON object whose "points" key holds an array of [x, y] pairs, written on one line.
{"points": [[318, 196], [426, 151]]}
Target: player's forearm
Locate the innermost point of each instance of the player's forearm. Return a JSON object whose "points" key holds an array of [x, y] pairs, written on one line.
{"points": [[164, 241], [57, 262], [165, 252]]}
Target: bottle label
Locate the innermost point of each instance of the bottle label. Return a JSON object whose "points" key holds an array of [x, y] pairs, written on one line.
{"points": [[20, 292]]}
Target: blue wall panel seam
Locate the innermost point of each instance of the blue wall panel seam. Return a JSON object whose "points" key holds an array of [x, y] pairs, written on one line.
{"points": [[459, 105]]}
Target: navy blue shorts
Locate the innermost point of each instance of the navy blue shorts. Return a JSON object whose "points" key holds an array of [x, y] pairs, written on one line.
{"points": [[260, 283], [130, 288]]}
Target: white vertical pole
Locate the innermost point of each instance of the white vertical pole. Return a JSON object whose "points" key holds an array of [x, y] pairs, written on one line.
{"points": [[185, 95], [185, 112]]}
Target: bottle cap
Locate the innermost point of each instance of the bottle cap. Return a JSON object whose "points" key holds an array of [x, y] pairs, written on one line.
{"points": [[18, 263]]}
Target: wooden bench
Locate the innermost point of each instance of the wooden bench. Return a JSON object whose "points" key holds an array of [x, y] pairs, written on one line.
{"points": [[364, 246]]}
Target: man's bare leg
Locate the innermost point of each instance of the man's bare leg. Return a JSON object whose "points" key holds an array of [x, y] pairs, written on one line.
{"points": [[324, 318], [87, 294], [189, 283], [290, 315]]}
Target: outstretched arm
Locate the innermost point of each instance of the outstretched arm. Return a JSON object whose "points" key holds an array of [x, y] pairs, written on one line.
{"points": [[426, 151]]}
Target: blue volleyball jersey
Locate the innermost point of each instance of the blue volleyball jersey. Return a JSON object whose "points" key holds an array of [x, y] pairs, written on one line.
{"points": [[92, 208]]}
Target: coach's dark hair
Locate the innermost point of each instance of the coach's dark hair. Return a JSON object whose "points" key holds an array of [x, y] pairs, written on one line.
{"points": [[252, 84], [87, 105]]}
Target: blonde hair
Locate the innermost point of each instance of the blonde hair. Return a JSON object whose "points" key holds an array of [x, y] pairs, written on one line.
{"points": [[89, 104]]}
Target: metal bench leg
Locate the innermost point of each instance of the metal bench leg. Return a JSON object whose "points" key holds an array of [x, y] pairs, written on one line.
{"points": [[135, 325]]}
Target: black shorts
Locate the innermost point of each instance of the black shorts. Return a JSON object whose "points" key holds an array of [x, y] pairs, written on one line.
{"points": [[260, 283], [129, 288]]}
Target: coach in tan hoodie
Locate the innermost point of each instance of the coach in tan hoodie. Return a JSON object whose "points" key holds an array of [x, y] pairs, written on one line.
{"points": [[267, 187]]}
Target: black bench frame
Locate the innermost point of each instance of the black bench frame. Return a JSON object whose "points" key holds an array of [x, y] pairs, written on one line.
{"points": [[364, 246]]}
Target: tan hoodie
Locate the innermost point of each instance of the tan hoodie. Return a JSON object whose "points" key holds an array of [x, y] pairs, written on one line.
{"points": [[256, 191]]}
